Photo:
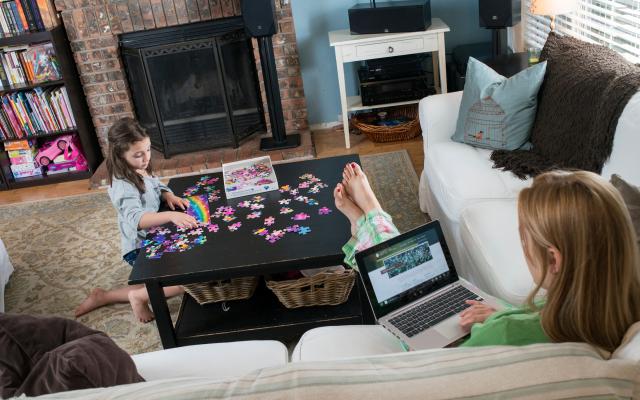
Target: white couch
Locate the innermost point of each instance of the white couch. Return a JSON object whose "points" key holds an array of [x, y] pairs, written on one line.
{"points": [[356, 362], [6, 269], [476, 204]]}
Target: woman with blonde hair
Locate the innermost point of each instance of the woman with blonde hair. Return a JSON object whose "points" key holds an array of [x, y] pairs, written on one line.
{"points": [[579, 245]]}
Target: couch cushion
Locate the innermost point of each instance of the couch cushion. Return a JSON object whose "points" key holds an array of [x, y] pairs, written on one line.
{"points": [[460, 175], [41, 355], [498, 112], [548, 371], [489, 234], [629, 349], [213, 360], [6, 269], [631, 196], [346, 341]]}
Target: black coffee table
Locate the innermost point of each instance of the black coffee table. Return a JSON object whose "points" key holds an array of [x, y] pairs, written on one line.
{"points": [[228, 254]]}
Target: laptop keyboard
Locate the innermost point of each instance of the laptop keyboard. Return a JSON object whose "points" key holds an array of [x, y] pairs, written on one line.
{"points": [[433, 311]]}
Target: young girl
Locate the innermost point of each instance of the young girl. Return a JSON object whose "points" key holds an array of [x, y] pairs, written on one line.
{"points": [[579, 245], [136, 194]]}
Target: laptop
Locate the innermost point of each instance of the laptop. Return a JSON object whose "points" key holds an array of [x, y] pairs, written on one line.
{"points": [[414, 290]]}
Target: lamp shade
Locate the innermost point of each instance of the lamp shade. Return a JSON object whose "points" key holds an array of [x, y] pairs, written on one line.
{"points": [[552, 7]]}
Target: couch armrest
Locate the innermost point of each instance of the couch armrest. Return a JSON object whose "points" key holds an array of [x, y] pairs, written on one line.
{"points": [[212, 360], [438, 116]]}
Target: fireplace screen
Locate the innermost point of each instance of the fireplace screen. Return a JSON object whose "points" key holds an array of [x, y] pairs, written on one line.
{"points": [[196, 92]]}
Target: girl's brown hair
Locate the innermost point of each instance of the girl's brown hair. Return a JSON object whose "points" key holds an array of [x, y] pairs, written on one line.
{"points": [[121, 136], [595, 297]]}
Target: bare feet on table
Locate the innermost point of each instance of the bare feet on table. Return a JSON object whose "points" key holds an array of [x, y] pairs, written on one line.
{"points": [[140, 307], [357, 186], [347, 207], [96, 299]]}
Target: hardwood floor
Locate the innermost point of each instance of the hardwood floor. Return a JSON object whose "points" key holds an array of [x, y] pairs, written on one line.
{"points": [[328, 143]]}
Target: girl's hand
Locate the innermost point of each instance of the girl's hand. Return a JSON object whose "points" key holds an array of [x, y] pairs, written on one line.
{"points": [[174, 201], [478, 312], [182, 219]]}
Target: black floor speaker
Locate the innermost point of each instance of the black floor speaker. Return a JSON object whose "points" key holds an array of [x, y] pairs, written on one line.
{"points": [[259, 17], [499, 13]]}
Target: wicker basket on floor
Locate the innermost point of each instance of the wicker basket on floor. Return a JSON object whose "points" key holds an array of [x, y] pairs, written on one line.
{"points": [[404, 131], [323, 289], [222, 290]]}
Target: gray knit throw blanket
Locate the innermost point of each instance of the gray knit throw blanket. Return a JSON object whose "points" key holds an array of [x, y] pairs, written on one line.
{"points": [[585, 89]]}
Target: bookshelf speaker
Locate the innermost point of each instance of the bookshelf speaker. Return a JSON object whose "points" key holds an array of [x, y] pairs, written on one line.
{"points": [[499, 13], [259, 17]]}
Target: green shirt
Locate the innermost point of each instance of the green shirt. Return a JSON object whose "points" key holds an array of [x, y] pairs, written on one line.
{"points": [[511, 327]]}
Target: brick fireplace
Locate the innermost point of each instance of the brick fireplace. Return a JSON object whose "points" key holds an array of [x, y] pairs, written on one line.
{"points": [[93, 27]]}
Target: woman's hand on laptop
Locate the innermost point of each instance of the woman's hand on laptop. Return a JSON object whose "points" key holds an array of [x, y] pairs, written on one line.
{"points": [[478, 312]]}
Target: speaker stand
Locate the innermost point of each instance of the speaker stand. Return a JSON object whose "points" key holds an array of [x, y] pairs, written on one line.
{"points": [[279, 139], [497, 45]]}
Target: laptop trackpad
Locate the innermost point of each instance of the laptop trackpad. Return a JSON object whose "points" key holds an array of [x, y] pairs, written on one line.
{"points": [[450, 328]]}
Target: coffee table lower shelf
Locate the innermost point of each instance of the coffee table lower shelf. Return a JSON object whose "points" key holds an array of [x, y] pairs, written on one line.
{"points": [[261, 317]]}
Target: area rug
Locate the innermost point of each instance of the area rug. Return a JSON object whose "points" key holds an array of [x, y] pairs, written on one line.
{"points": [[63, 248]]}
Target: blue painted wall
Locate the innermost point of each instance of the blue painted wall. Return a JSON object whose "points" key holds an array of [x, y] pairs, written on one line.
{"points": [[315, 18]]}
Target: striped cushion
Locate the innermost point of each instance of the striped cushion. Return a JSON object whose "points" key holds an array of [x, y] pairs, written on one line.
{"points": [[546, 371]]}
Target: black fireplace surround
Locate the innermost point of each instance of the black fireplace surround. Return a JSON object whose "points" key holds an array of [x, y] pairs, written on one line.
{"points": [[195, 86]]}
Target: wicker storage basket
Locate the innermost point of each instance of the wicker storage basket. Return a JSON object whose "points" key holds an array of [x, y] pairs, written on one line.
{"points": [[323, 289], [222, 290], [404, 131]]}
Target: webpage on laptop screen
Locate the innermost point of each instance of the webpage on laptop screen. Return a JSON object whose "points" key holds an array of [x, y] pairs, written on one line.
{"points": [[406, 265]]}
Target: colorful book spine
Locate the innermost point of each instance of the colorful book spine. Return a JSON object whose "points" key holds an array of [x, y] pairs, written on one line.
{"points": [[16, 17], [23, 17], [36, 15], [31, 22], [6, 10]]}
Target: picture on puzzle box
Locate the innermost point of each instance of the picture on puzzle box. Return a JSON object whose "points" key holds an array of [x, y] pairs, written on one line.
{"points": [[246, 177]]}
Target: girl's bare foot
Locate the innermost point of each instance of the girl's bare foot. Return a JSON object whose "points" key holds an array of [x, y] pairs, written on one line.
{"points": [[357, 185], [140, 307], [347, 207], [96, 299]]}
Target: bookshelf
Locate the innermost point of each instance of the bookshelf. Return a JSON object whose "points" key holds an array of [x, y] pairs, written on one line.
{"points": [[78, 106]]}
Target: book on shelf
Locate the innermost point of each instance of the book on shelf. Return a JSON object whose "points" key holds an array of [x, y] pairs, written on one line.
{"points": [[35, 112], [35, 64], [22, 16]]}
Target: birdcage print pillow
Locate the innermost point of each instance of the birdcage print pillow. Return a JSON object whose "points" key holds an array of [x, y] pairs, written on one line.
{"points": [[498, 112], [485, 125]]}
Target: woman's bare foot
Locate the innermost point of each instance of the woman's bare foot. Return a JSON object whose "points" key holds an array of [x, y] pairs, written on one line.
{"points": [[347, 207], [140, 306], [96, 299], [357, 185]]}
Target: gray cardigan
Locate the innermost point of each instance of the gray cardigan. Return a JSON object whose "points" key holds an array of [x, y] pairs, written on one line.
{"points": [[131, 205]]}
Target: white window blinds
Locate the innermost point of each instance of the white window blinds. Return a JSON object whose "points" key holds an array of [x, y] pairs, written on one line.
{"points": [[613, 23]]}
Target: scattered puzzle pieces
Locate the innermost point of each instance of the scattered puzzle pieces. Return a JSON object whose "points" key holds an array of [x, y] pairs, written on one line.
{"points": [[284, 201], [269, 221], [254, 215], [300, 217], [234, 227], [304, 230], [324, 211], [286, 210]]}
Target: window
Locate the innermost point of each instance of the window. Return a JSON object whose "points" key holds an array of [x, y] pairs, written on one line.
{"points": [[613, 23]]}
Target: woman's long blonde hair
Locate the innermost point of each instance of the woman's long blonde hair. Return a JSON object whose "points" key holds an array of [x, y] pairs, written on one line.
{"points": [[595, 297]]}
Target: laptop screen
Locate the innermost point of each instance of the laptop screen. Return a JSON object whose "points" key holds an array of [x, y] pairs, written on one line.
{"points": [[405, 268]]}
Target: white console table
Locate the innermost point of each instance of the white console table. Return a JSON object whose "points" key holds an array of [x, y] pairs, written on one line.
{"points": [[351, 48]]}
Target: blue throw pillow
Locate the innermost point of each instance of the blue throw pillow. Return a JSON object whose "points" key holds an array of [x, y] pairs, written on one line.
{"points": [[496, 112]]}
